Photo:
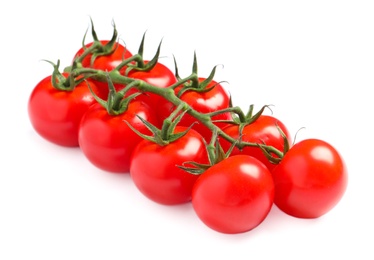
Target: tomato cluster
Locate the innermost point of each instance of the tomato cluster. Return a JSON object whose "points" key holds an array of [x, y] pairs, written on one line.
{"points": [[181, 139]]}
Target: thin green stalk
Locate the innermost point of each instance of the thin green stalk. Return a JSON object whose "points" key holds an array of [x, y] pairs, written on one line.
{"points": [[169, 94]]}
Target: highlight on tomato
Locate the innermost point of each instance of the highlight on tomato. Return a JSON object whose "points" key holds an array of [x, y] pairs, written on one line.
{"points": [[310, 179], [56, 106], [235, 195]]}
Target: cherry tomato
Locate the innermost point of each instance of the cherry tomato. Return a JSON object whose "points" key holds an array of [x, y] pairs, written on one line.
{"points": [[204, 102], [107, 141], [310, 180], [154, 168], [234, 195], [263, 130], [105, 62], [56, 114]]}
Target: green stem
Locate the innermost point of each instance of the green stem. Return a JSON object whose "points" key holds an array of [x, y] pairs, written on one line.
{"points": [[235, 110], [193, 77], [169, 94], [135, 57], [95, 46]]}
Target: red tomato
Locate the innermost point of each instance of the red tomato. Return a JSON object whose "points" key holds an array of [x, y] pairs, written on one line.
{"points": [[310, 180], [263, 130], [105, 62], [154, 168], [159, 76], [107, 141], [204, 102], [234, 195], [56, 114]]}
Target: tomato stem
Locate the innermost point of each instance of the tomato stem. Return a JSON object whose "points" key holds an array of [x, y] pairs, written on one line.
{"points": [[115, 77]]}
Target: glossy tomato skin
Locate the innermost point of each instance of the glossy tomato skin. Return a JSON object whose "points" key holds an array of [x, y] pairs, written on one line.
{"points": [[105, 63], [235, 195], [159, 76], [203, 102], [263, 130], [107, 141], [310, 180], [154, 168], [55, 114]]}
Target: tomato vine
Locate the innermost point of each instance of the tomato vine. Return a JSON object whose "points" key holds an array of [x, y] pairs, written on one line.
{"points": [[122, 109], [168, 93]]}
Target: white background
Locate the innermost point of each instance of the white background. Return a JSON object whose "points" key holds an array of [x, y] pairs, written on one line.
{"points": [[312, 60]]}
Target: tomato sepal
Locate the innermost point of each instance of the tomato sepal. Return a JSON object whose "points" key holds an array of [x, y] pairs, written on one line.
{"points": [[97, 48], [165, 135], [116, 103], [140, 65], [215, 154], [62, 82]]}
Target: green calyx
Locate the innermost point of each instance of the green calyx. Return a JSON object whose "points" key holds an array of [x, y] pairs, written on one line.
{"points": [[194, 84], [59, 81], [139, 64], [242, 120], [238, 116], [215, 155], [97, 48], [270, 151], [116, 103], [166, 134]]}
